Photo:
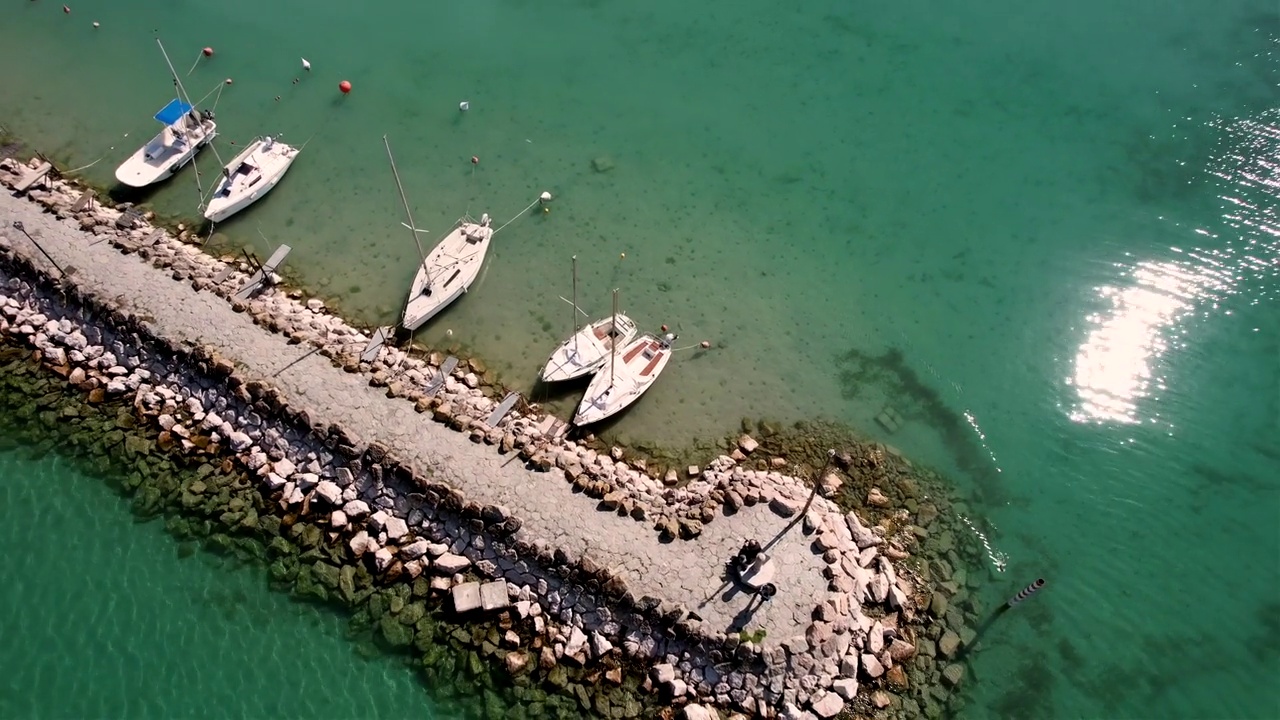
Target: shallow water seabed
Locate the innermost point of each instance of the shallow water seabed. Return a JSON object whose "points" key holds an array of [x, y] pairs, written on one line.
{"points": [[52, 436]]}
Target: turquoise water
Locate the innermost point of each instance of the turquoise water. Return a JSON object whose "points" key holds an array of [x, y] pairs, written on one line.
{"points": [[1045, 233], [107, 618]]}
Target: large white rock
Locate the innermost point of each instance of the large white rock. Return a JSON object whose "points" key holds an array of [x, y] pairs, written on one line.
{"points": [[576, 643], [284, 467], [827, 705], [239, 441], [359, 544], [395, 527], [694, 711], [382, 559], [414, 550], [466, 596], [329, 492], [846, 688], [356, 509], [448, 564]]}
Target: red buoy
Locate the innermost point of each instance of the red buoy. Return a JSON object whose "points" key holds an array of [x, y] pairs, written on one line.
{"points": [[664, 328], [475, 160], [208, 52], [345, 86]]}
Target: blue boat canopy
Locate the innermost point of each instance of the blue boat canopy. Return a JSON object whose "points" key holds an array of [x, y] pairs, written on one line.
{"points": [[173, 112]]}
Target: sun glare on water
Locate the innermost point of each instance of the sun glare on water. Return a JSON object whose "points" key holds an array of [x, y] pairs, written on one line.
{"points": [[1117, 369]]}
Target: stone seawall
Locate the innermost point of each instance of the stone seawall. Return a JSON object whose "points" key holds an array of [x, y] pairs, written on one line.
{"points": [[608, 566]]}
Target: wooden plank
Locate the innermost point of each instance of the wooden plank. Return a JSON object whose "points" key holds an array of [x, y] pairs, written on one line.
{"points": [[33, 177], [503, 408], [276, 258], [259, 278], [223, 275], [84, 201], [153, 238], [129, 219], [450, 363], [379, 339], [248, 289]]}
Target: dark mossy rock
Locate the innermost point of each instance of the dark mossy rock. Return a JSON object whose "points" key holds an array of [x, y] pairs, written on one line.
{"points": [[284, 569], [393, 633], [307, 535], [326, 574], [269, 525]]}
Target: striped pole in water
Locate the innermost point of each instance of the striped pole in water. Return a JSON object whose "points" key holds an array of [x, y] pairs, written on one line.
{"points": [[1026, 592], [1023, 594]]}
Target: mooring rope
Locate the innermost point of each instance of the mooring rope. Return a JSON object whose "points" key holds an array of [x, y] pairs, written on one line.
{"points": [[531, 205]]}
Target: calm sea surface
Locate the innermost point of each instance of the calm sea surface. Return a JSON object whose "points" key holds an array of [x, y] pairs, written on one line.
{"points": [[1047, 234]]}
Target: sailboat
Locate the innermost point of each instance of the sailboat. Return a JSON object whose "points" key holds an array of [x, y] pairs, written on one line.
{"points": [[249, 176], [633, 368], [589, 347], [451, 266], [185, 131]]}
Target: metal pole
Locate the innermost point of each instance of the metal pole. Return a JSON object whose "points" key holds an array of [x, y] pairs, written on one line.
{"points": [[17, 224], [831, 458], [575, 303], [613, 350], [413, 228], [1023, 594]]}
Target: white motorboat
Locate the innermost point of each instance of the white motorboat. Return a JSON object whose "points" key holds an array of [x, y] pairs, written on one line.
{"points": [[249, 176], [448, 270], [633, 368], [589, 347], [186, 130]]}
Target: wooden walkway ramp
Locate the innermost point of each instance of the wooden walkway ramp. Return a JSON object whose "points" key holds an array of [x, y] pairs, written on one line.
{"points": [[32, 177], [263, 276]]}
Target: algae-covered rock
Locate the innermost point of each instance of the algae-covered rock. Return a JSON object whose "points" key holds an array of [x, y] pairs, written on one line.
{"points": [[347, 584], [412, 613], [394, 633], [326, 574], [269, 524]]}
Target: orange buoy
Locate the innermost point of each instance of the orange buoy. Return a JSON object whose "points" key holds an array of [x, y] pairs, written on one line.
{"points": [[475, 160], [208, 52], [345, 86]]}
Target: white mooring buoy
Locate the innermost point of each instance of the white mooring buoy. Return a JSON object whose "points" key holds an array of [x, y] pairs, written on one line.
{"points": [[464, 106]]}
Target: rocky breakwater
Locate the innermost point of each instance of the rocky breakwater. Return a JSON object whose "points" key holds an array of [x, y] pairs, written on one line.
{"points": [[403, 527]]}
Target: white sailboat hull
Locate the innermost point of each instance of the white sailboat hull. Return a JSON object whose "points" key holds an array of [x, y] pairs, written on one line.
{"points": [[588, 350], [166, 153], [250, 176], [448, 271], [635, 368]]}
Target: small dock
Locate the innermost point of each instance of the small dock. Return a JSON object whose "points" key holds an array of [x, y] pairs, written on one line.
{"points": [[380, 337], [32, 177], [84, 202], [262, 277], [503, 408], [437, 382]]}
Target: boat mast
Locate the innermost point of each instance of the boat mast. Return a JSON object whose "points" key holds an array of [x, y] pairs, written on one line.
{"points": [[182, 92], [613, 350], [575, 303], [413, 229]]}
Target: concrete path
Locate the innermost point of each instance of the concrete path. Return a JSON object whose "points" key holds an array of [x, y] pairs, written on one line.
{"points": [[686, 572]]}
